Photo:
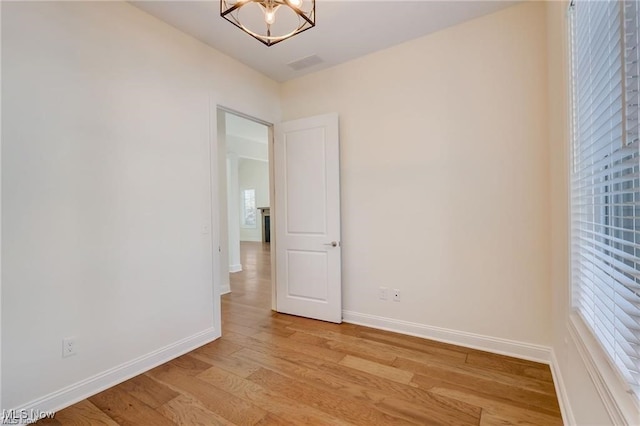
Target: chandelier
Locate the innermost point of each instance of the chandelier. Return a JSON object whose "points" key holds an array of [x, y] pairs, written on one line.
{"points": [[270, 21]]}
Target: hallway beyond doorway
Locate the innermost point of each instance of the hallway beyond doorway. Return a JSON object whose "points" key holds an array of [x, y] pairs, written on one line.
{"points": [[251, 287]]}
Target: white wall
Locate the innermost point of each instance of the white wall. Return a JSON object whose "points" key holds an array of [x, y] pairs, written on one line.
{"points": [[445, 179], [254, 174], [106, 194]]}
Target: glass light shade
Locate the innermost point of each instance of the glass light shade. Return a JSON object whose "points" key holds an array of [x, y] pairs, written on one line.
{"points": [[270, 21]]}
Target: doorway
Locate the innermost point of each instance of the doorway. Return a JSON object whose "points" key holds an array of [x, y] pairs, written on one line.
{"points": [[244, 149], [306, 223]]}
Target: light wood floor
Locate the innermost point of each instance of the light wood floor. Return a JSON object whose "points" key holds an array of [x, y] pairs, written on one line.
{"points": [[270, 368]]}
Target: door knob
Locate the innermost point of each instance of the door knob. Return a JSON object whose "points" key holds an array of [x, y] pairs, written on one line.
{"points": [[332, 244]]}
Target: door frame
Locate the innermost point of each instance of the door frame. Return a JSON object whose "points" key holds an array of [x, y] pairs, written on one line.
{"points": [[272, 191]]}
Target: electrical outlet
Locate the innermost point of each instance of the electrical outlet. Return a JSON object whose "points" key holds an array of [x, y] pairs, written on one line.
{"points": [[68, 347], [383, 293], [396, 295]]}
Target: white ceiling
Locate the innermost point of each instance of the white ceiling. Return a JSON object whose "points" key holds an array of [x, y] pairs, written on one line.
{"points": [[344, 29]]}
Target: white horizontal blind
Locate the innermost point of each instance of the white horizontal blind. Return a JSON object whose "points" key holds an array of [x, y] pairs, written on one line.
{"points": [[605, 193]]}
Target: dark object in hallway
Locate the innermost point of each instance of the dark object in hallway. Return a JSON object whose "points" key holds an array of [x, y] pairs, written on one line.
{"points": [[266, 224]]}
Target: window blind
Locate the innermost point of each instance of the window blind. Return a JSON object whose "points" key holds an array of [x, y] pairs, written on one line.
{"points": [[605, 188]]}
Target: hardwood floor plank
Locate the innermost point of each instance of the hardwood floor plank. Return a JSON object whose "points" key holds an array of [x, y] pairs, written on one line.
{"points": [[186, 411], [232, 408], [412, 342], [377, 351], [492, 389], [53, 422], [272, 420], [252, 318], [420, 353], [316, 378], [515, 418], [380, 370], [241, 329], [239, 367], [187, 364], [352, 411], [149, 391], [229, 303], [276, 403], [312, 350], [308, 339], [348, 344], [355, 380], [440, 410], [218, 347], [271, 324], [510, 365], [424, 415], [467, 372], [269, 347], [485, 400], [342, 328], [127, 410], [84, 413]]}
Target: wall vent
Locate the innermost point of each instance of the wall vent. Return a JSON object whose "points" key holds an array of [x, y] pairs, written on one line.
{"points": [[306, 62]]}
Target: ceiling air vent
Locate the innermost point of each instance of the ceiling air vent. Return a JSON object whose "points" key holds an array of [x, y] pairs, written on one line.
{"points": [[303, 63]]}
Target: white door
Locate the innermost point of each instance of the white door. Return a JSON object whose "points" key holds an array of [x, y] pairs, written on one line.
{"points": [[307, 218]]}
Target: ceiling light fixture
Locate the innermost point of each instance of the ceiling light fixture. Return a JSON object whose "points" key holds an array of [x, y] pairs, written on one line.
{"points": [[270, 21]]}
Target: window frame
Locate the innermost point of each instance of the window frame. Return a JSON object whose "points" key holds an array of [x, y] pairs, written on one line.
{"points": [[621, 403], [243, 210]]}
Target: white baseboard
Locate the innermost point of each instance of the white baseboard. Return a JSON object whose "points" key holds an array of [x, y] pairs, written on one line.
{"points": [[507, 347], [85, 388], [235, 268], [568, 418], [225, 289]]}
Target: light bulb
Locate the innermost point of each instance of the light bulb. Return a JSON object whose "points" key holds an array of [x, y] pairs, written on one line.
{"points": [[295, 3], [270, 16]]}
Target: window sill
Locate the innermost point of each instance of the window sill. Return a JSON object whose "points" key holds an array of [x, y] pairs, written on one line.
{"points": [[623, 408]]}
